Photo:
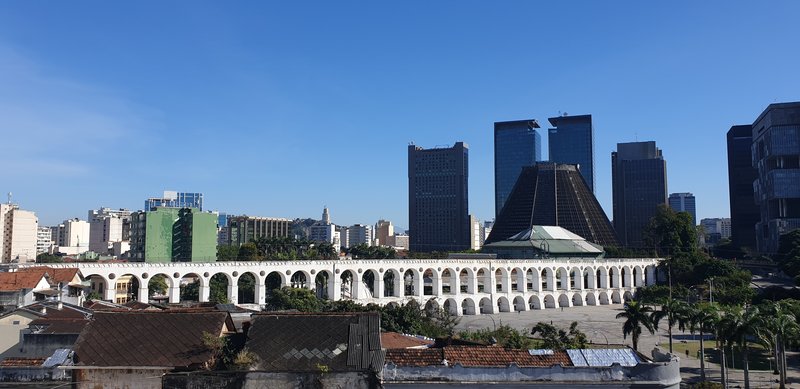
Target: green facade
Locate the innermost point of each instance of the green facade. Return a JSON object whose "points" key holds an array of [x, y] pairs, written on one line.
{"points": [[180, 235]]}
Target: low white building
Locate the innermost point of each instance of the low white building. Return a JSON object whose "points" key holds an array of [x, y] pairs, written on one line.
{"points": [[107, 226], [18, 234], [73, 237]]}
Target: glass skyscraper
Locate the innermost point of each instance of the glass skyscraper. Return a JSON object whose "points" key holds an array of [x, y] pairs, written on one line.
{"points": [[741, 174], [572, 142], [517, 144], [684, 202], [172, 199]]}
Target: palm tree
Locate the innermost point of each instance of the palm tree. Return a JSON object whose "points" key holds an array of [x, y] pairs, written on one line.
{"points": [[701, 318], [779, 326], [636, 316], [676, 312], [740, 323]]}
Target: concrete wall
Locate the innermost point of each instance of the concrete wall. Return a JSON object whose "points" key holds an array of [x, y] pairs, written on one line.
{"points": [[258, 380], [33, 374], [10, 336], [118, 378], [44, 345]]}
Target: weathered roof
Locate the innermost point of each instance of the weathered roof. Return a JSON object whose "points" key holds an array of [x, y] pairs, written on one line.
{"points": [[475, 356], [60, 326], [56, 275], [390, 340], [302, 342], [21, 362], [21, 279], [551, 239], [49, 309], [603, 357], [148, 338]]}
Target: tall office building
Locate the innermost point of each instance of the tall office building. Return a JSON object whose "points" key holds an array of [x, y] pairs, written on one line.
{"points": [[384, 230], [173, 235], [437, 198], [776, 155], [244, 229], [18, 232], [639, 181], [106, 227], [572, 142], [683, 202], [43, 240], [741, 174], [550, 194], [360, 234], [172, 199], [517, 144]]}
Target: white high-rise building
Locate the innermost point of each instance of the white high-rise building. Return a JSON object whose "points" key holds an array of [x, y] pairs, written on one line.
{"points": [[475, 233], [43, 240], [18, 234], [73, 236], [324, 230], [107, 226], [360, 234], [344, 236]]}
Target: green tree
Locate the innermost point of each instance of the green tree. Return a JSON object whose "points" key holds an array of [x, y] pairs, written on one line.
{"points": [[227, 252], [558, 339], [248, 252], [218, 285], [190, 291], [741, 323], [636, 316], [157, 285], [702, 318], [503, 336], [670, 232], [779, 327], [300, 299], [788, 255], [676, 312], [49, 258]]}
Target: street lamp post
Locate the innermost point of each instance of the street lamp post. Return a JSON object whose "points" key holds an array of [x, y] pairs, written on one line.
{"points": [[604, 336]]}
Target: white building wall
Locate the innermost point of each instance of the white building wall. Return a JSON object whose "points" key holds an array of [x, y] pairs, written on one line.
{"points": [[24, 231], [322, 233], [104, 230], [43, 240], [475, 233], [360, 234]]}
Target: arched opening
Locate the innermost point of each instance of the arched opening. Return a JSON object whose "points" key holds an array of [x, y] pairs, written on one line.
{"points": [[625, 277], [220, 285], [637, 276], [562, 279], [603, 298], [549, 301], [468, 307], [273, 281], [432, 306], [530, 285], [321, 282], [615, 297], [614, 277], [501, 280], [483, 280], [97, 287], [588, 279], [190, 287], [649, 275], [392, 305], [348, 289], [577, 300], [409, 281], [431, 283], [465, 284], [576, 279], [391, 287], [627, 296], [247, 288], [503, 305], [534, 302], [127, 289], [563, 301], [590, 299], [519, 304], [516, 285], [602, 279], [370, 281], [449, 282], [299, 280], [486, 305], [451, 306], [158, 288], [547, 279]]}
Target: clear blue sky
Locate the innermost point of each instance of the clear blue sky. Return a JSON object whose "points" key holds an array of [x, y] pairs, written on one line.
{"points": [[276, 109]]}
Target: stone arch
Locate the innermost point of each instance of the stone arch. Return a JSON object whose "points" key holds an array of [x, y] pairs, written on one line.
{"points": [[349, 285], [449, 281], [563, 300], [503, 305], [98, 284], [549, 301], [369, 281], [274, 280], [626, 276], [221, 290], [300, 279], [247, 286], [532, 280], [650, 275], [158, 287], [430, 280], [411, 283], [603, 298], [451, 306], [468, 306], [589, 279], [323, 284], [126, 288], [534, 302], [519, 304], [577, 299], [486, 305], [548, 279], [591, 299], [466, 281], [518, 281], [432, 305], [484, 279], [627, 296], [601, 281], [615, 297], [638, 277], [576, 279], [501, 280], [190, 288], [392, 283], [614, 275], [562, 279]]}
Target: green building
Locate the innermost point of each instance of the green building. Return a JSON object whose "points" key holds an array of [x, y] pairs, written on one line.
{"points": [[173, 235]]}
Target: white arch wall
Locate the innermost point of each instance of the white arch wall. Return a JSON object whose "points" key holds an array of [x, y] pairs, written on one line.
{"points": [[504, 296]]}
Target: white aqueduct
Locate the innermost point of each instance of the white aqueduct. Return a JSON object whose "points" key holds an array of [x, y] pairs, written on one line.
{"points": [[461, 286]]}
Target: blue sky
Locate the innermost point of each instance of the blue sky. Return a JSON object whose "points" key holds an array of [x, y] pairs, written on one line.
{"points": [[276, 109]]}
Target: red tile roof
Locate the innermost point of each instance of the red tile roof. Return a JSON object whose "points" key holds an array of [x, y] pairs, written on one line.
{"points": [[390, 340], [56, 275], [475, 356], [21, 362], [149, 338], [22, 279]]}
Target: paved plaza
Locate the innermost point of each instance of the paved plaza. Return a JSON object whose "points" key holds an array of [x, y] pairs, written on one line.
{"points": [[601, 327]]}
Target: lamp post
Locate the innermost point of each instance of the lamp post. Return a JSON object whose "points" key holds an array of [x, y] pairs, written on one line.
{"points": [[604, 336]]}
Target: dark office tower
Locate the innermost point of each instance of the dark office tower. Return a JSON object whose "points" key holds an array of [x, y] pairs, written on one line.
{"points": [[683, 202], [517, 144], [776, 155], [639, 180], [572, 142], [550, 194], [741, 174], [438, 215]]}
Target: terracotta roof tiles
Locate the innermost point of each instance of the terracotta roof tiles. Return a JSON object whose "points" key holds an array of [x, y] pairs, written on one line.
{"points": [[475, 356], [22, 279], [390, 340]]}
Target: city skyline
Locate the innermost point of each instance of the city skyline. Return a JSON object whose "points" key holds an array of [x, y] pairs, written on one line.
{"points": [[219, 103]]}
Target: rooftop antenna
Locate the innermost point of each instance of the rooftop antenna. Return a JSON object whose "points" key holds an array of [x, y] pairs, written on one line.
{"points": [[9, 198]]}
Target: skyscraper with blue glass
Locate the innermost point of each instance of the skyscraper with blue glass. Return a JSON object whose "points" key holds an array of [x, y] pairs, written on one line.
{"points": [[172, 199], [517, 144], [572, 142]]}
